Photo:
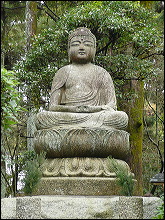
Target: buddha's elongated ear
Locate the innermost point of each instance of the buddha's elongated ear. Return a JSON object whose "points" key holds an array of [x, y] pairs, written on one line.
{"points": [[93, 59], [69, 56]]}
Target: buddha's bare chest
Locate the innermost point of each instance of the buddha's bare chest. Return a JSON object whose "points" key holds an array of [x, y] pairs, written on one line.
{"points": [[81, 79]]}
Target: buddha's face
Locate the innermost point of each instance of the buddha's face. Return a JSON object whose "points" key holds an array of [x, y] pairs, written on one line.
{"points": [[82, 49]]}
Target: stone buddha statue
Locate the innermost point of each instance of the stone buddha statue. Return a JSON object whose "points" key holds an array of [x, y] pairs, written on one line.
{"points": [[83, 120], [82, 93]]}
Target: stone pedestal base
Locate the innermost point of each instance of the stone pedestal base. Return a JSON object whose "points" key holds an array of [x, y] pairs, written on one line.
{"points": [[79, 207], [84, 167], [82, 142], [91, 186]]}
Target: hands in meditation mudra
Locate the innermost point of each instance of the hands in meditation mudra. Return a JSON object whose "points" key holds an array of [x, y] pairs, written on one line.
{"points": [[82, 120]]}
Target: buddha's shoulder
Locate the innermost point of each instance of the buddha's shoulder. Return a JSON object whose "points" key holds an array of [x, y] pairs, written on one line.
{"points": [[62, 72], [64, 68], [100, 69]]}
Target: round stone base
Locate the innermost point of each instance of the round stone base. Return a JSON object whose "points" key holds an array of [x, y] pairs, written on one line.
{"points": [[86, 186], [82, 142]]}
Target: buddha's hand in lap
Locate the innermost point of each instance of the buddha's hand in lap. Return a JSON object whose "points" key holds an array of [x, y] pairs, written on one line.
{"points": [[88, 108], [62, 108], [78, 109], [107, 107]]}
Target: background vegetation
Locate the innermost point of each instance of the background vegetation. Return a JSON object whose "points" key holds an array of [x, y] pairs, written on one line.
{"points": [[129, 45]]}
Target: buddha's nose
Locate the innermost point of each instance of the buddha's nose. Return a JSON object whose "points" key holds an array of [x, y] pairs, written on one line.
{"points": [[81, 47]]}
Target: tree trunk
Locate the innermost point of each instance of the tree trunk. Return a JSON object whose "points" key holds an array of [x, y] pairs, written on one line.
{"points": [[134, 109], [31, 22], [147, 4], [31, 29], [3, 33]]}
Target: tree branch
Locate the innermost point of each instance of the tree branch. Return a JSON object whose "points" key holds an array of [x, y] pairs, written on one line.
{"points": [[50, 10], [7, 142], [157, 145], [161, 53], [6, 180], [117, 48], [160, 155], [122, 78], [13, 8], [47, 13], [104, 48], [154, 110]]}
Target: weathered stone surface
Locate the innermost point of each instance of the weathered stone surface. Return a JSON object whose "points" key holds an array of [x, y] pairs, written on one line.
{"points": [[28, 208], [79, 207], [81, 117], [94, 186], [83, 120], [130, 207], [8, 208], [82, 166], [82, 142], [149, 206]]}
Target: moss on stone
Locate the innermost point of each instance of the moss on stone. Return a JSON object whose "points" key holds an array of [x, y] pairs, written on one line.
{"points": [[107, 214]]}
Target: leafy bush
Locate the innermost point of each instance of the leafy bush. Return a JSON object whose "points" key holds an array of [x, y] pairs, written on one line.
{"points": [[10, 99], [33, 172], [124, 179], [160, 210]]}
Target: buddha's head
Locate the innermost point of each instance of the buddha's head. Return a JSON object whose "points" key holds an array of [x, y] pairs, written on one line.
{"points": [[81, 46]]}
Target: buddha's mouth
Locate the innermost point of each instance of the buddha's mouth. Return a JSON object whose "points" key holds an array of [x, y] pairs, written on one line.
{"points": [[81, 53]]}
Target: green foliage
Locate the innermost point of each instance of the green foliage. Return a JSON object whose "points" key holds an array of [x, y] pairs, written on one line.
{"points": [[150, 121], [25, 156], [33, 171], [13, 31], [122, 27], [124, 179], [11, 145], [160, 210], [10, 99]]}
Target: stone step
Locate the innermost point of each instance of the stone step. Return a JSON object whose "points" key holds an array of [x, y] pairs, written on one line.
{"points": [[79, 207]]}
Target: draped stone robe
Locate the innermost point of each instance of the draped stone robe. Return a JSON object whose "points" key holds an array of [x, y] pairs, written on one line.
{"points": [[83, 96], [91, 86]]}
